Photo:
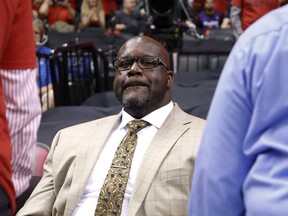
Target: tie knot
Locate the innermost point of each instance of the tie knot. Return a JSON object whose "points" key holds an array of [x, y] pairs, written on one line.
{"points": [[137, 125]]}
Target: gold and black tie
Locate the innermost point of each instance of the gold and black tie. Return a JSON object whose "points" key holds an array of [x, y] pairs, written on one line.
{"points": [[113, 190]]}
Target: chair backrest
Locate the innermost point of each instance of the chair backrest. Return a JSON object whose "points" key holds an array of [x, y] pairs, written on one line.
{"points": [[81, 71], [207, 54], [45, 68], [41, 152]]}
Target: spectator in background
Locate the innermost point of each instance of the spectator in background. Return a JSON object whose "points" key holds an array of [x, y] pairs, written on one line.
{"points": [[241, 167], [44, 73], [245, 12], [18, 76], [40, 8], [7, 192], [92, 14], [40, 36], [196, 6], [110, 7], [125, 20], [209, 17], [61, 15]]}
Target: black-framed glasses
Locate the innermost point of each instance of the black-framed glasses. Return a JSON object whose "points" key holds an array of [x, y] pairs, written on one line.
{"points": [[145, 62]]}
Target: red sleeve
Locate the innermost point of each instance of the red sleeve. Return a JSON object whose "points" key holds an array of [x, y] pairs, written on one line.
{"points": [[6, 24]]}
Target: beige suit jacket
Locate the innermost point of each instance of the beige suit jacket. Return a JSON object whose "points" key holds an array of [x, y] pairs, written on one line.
{"points": [[162, 185]]}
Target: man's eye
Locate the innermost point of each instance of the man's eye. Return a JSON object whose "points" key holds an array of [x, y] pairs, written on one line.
{"points": [[125, 64], [148, 62]]}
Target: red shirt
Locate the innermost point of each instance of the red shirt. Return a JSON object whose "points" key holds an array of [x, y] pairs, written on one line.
{"points": [[254, 9], [60, 13], [221, 6], [17, 46]]}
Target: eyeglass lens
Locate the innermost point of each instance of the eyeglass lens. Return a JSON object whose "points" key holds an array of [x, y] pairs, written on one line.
{"points": [[143, 63]]}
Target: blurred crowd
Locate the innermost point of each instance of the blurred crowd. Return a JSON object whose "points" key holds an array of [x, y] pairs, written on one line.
{"points": [[130, 16]]}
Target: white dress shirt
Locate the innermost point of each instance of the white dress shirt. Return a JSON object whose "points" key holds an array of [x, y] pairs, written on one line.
{"points": [[88, 202]]}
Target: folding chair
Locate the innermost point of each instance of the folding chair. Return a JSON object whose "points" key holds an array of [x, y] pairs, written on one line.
{"points": [[80, 71], [207, 54]]}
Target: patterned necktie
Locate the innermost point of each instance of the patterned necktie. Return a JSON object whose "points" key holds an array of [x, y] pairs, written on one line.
{"points": [[112, 193]]}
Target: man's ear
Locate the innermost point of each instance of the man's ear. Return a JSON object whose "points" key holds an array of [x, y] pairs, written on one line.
{"points": [[170, 79]]}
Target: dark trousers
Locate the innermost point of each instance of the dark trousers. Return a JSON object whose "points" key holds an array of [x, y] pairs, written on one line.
{"points": [[4, 203]]}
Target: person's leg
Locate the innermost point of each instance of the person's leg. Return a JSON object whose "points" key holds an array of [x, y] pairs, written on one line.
{"points": [[23, 112]]}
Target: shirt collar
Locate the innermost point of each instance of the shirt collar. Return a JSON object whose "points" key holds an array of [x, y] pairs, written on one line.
{"points": [[155, 118]]}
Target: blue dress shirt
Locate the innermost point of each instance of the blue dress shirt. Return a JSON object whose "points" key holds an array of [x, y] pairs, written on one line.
{"points": [[242, 166]]}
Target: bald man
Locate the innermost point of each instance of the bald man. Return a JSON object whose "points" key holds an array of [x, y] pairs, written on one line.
{"points": [[162, 166]]}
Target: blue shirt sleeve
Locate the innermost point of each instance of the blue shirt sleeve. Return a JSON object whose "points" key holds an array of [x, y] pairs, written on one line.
{"points": [[243, 158]]}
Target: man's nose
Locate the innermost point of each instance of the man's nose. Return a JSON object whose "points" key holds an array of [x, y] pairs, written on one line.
{"points": [[135, 69]]}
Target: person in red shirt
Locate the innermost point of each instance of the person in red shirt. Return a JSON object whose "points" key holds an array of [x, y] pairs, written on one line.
{"points": [[245, 12], [63, 11], [20, 93]]}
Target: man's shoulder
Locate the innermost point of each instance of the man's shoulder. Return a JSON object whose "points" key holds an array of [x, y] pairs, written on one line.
{"points": [[196, 122], [183, 116]]}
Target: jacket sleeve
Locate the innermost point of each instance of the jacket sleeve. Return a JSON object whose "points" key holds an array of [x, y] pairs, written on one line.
{"points": [[43, 197]]}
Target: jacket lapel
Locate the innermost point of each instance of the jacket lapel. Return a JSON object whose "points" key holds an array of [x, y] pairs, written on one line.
{"points": [[84, 167], [174, 127]]}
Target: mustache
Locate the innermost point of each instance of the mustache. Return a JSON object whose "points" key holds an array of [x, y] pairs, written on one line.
{"points": [[134, 83]]}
